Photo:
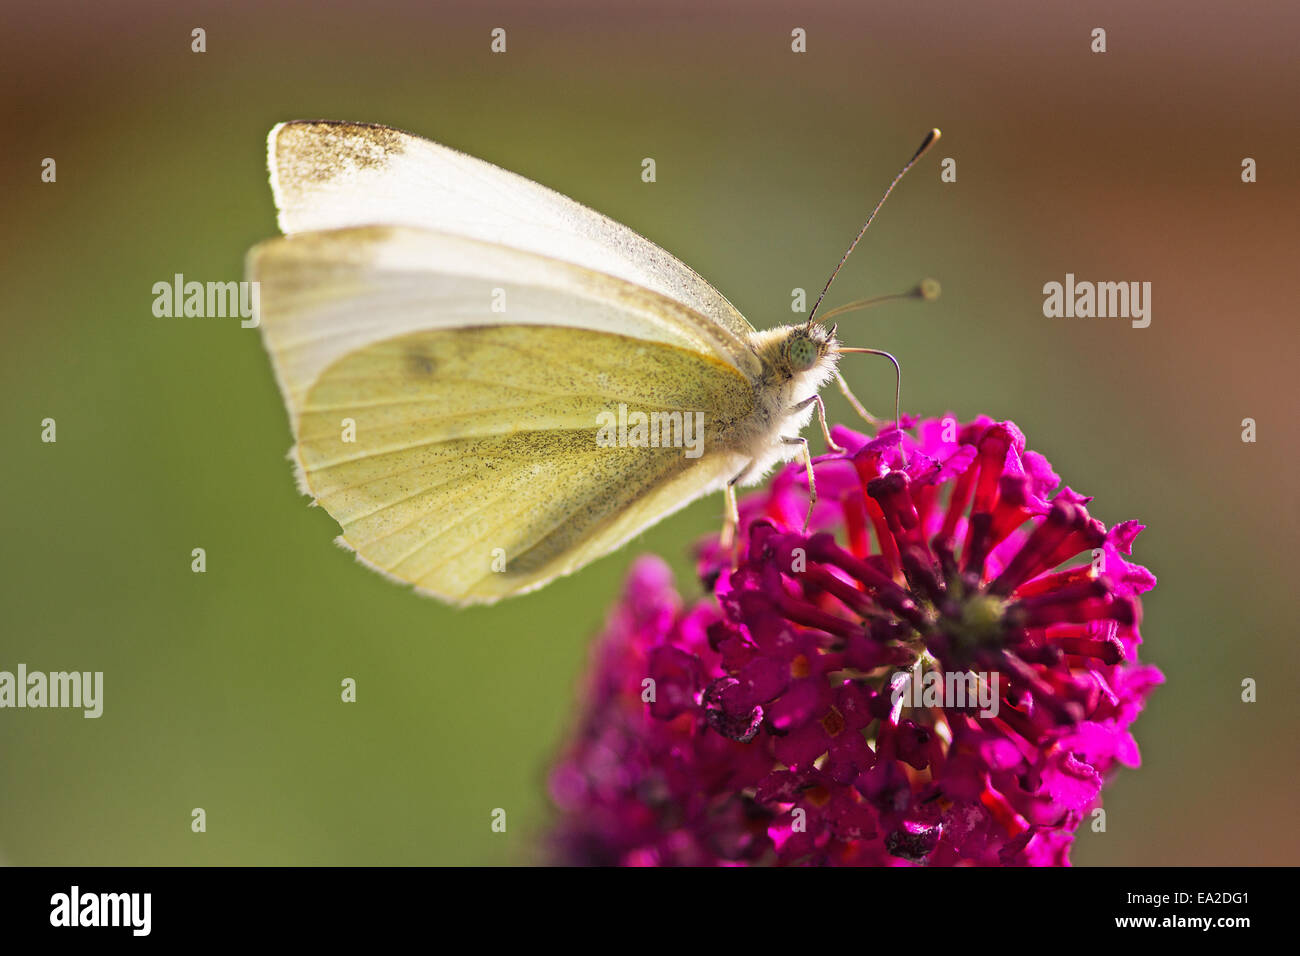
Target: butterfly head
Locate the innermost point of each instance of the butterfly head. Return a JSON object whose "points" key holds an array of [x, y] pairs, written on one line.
{"points": [[806, 347]]}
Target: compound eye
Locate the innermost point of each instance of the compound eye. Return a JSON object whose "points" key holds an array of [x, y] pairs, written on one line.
{"points": [[803, 355]]}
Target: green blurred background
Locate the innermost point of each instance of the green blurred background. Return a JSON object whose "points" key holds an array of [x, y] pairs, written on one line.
{"points": [[222, 689]]}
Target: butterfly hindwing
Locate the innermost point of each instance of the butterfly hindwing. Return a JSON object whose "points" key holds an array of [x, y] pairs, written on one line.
{"points": [[447, 435], [469, 468]]}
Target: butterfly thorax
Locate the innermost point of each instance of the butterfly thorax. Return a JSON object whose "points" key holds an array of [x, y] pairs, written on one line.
{"points": [[796, 362]]}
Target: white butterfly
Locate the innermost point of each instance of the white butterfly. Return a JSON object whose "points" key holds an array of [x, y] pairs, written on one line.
{"points": [[449, 338]]}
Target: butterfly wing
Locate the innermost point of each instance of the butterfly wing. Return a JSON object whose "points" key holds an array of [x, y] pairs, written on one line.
{"points": [[457, 445], [332, 175]]}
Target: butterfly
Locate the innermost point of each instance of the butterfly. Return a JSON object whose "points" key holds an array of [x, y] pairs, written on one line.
{"points": [[491, 385]]}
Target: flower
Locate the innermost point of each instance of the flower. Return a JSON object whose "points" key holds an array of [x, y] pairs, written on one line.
{"points": [[940, 669]]}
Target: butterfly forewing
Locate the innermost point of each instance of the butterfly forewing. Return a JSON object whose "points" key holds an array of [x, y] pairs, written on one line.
{"points": [[332, 175]]}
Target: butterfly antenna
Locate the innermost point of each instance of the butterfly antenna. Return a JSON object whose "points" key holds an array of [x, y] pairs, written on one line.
{"points": [[927, 289], [931, 138]]}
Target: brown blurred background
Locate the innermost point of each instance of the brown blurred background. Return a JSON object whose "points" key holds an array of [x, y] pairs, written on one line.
{"points": [[222, 688]]}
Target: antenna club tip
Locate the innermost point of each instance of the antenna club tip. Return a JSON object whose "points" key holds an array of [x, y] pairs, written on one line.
{"points": [[931, 138], [928, 289]]}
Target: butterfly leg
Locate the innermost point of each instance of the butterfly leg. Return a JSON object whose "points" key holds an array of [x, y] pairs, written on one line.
{"points": [[731, 518], [858, 407], [812, 481], [821, 417]]}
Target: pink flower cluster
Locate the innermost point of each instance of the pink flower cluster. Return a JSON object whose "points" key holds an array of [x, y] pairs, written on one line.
{"points": [[942, 669]]}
